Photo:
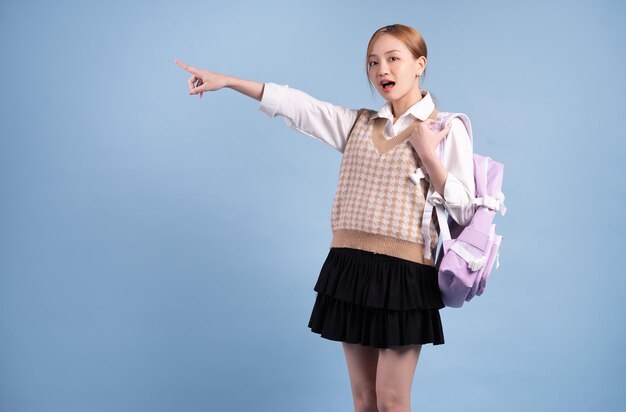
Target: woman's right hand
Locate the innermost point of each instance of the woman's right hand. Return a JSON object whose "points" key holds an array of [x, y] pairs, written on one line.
{"points": [[203, 80]]}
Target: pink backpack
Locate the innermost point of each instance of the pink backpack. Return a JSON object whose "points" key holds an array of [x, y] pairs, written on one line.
{"points": [[468, 253]]}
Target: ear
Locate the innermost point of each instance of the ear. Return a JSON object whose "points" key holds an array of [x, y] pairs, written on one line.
{"points": [[420, 64]]}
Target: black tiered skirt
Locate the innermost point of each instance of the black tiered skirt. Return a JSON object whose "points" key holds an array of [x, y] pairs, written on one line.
{"points": [[376, 300]]}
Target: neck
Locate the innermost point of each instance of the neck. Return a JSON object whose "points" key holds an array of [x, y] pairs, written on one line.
{"points": [[400, 106]]}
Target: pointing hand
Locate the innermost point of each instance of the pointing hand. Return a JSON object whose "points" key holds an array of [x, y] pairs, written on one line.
{"points": [[203, 80]]}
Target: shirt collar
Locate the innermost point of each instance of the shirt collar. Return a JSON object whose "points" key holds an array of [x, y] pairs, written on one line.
{"points": [[420, 110]]}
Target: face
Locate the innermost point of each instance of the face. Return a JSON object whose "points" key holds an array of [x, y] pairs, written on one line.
{"points": [[390, 59]]}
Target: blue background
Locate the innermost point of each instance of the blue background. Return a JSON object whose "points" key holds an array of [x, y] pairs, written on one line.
{"points": [[158, 251]]}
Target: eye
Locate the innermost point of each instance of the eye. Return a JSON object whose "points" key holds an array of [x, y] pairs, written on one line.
{"points": [[370, 64], [393, 57]]}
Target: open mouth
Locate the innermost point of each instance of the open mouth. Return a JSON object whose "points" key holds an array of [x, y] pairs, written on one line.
{"points": [[388, 85]]}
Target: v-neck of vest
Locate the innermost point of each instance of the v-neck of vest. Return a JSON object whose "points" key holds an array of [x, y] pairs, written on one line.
{"points": [[384, 145]]}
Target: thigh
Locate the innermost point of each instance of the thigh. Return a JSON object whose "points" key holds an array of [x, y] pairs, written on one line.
{"points": [[362, 363], [396, 368]]}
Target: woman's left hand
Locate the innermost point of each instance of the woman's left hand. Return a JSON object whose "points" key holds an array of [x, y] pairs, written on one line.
{"points": [[425, 140]]}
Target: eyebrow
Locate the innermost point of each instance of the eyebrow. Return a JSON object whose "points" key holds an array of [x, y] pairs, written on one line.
{"points": [[394, 50]]}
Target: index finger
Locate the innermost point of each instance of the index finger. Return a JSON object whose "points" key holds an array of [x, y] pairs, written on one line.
{"points": [[186, 67]]}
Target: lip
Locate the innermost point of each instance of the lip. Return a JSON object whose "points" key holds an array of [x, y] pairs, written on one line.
{"points": [[383, 89]]}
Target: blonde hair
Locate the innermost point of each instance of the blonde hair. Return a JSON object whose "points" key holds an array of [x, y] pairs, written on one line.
{"points": [[407, 35]]}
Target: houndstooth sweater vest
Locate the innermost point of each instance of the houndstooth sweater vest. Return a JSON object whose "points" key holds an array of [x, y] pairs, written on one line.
{"points": [[377, 207]]}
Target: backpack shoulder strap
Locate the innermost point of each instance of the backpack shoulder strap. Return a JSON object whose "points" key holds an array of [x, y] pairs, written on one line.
{"points": [[444, 119], [447, 117]]}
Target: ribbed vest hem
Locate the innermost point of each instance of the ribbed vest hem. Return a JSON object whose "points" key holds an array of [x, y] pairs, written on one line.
{"points": [[376, 243]]}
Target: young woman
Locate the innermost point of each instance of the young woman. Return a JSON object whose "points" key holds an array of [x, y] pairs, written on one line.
{"points": [[377, 291]]}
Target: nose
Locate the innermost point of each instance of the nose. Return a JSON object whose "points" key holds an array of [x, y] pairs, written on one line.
{"points": [[382, 69]]}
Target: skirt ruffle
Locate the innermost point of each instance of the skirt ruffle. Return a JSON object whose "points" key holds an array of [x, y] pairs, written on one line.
{"points": [[376, 300]]}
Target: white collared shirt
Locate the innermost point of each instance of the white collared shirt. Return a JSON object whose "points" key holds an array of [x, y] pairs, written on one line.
{"points": [[331, 124]]}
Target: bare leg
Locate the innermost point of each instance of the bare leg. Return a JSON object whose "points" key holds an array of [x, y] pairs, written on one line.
{"points": [[396, 367], [362, 362]]}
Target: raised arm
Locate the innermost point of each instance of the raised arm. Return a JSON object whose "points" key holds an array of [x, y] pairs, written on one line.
{"points": [[203, 80], [247, 87], [321, 120]]}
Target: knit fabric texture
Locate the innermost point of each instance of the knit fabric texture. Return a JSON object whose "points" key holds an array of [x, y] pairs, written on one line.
{"points": [[377, 207]]}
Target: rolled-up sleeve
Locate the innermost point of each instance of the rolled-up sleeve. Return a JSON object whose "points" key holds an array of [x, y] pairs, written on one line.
{"points": [[460, 188], [321, 120]]}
